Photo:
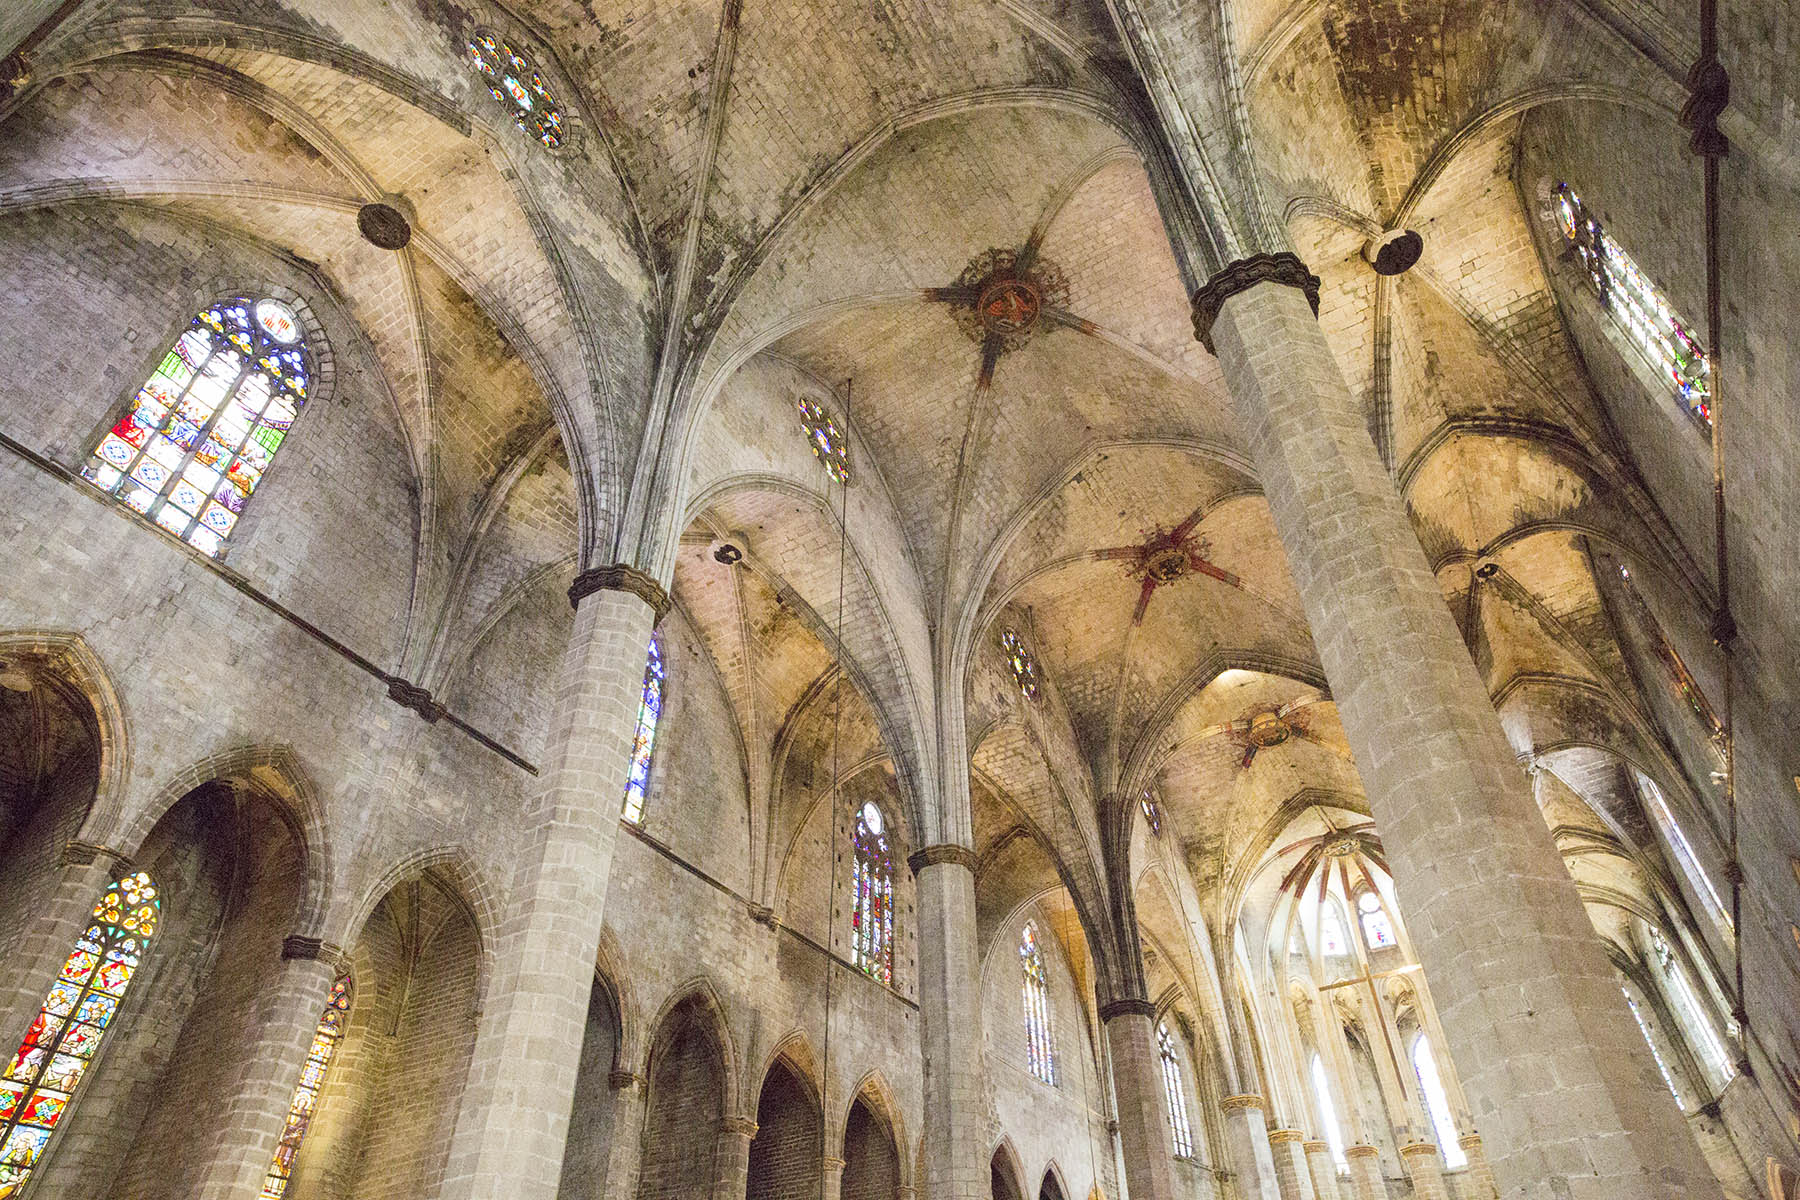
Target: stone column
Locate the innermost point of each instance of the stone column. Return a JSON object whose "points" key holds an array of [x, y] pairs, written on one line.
{"points": [[515, 1114], [831, 1186], [247, 1122], [1549, 1058], [1144, 1133], [732, 1158], [625, 1147], [956, 1164], [1426, 1170], [1478, 1177], [1323, 1169], [1248, 1137], [1366, 1182], [1292, 1173]]}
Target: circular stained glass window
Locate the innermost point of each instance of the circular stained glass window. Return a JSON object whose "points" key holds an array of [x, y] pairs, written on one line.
{"points": [[871, 817], [516, 83], [279, 321]]}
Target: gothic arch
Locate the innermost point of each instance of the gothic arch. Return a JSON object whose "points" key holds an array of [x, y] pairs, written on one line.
{"points": [[698, 995], [74, 662]]}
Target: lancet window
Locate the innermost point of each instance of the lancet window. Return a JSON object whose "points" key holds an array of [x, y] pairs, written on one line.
{"points": [[872, 896], [1655, 1054], [1334, 1135], [60, 1046], [1684, 850], [1638, 305], [1437, 1103], [203, 430], [1040, 1048], [643, 746], [1708, 1046], [1020, 662], [1378, 930], [1152, 814], [1175, 1093], [306, 1093]]}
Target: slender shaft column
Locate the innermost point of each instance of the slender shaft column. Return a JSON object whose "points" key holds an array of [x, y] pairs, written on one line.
{"points": [[1550, 1061], [246, 1124], [1248, 1136], [1293, 1175], [831, 1186], [1366, 1182], [1426, 1170], [1144, 1135], [1478, 1177], [956, 1166], [732, 1158], [515, 1115], [1323, 1170], [625, 1149]]}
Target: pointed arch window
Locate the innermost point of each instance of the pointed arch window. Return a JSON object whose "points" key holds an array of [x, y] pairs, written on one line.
{"points": [[1437, 1103], [826, 440], [306, 1093], [1174, 1092], [1638, 305], [204, 428], [1708, 1046], [1684, 852], [519, 85], [1334, 1136], [1152, 814], [1655, 1054], [1332, 942], [1378, 930], [1040, 1047], [643, 746], [59, 1047], [872, 896], [1020, 662]]}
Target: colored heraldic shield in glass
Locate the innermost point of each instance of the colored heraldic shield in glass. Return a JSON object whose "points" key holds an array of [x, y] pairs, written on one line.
{"points": [[60, 1046]]}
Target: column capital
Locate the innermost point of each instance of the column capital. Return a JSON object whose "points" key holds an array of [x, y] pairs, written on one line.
{"points": [[1316, 1147], [1127, 1006], [742, 1126], [76, 853], [1284, 268], [831, 1164], [943, 852], [1418, 1149], [301, 947], [1469, 1141], [1242, 1102], [619, 1081], [1278, 1136], [1360, 1151], [621, 577]]}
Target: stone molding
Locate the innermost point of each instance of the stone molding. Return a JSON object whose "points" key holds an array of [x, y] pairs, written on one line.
{"points": [[1284, 268], [832, 1164], [1316, 1147], [742, 1126], [943, 852], [1469, 1141], [1360, 1151], [618, 1081], [1242, 1102], [1418, 1149], [621, 577], [299, 946], [76, 853], [1127, 1006], [1279, 1136]]}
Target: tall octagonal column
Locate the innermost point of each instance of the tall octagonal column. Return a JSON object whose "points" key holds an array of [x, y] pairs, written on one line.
{"points": [[1145, 1140], [515, 1115], [1555, 1074], [956, 1165]]}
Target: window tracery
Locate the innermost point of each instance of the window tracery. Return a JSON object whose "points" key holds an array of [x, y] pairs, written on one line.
{"points": [[1637, 304], [1020, 662], [826, 440], [1437, 1103], [1040, 1048], [643, 745], [519, 85], [872, 896], [206, 425], [60, 1046], [306, 1092], [1175, 1093], [1378, 930]]}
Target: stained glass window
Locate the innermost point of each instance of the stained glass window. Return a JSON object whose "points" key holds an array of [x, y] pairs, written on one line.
{"points": [[872, 896], [61, 1043], [826, 440], [1175, 1093], [1661, 1066], [1637, 304], [1378, 931], [644, 745], [1040, 1049], [1684, 850], [1676, 670], [1020, 662], [306, 1093], [1437, 1103], [520, 86], [1708, 1046], [205, 427], [1334, 1136], [1331, 933], [1152, 814]]}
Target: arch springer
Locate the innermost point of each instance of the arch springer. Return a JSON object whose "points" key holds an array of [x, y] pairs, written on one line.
{"points": [[943, 852], [1127, 1006], [1244, 1101], [621, 577], [1279, 1136], [1284, 268]]}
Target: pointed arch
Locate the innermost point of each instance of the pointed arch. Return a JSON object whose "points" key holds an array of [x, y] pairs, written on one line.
{"points": [[68, 656]]}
